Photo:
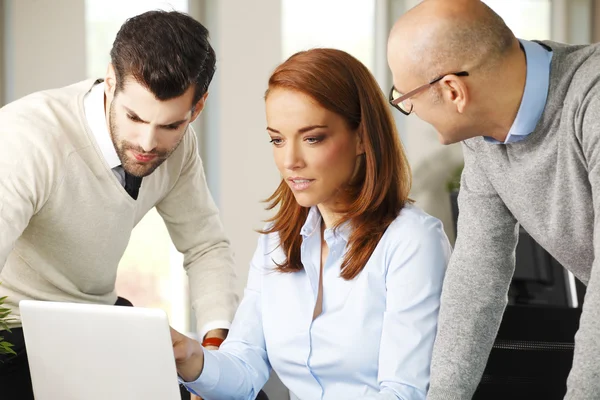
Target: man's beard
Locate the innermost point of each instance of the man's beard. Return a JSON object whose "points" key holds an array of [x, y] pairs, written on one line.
{"points": [[130, 164]]}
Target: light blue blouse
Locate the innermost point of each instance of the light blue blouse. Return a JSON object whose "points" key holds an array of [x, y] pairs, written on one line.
{"points": [[374, 338]]}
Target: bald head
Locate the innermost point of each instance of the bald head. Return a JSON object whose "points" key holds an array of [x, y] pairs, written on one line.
{"points": [[442, 36], [439, 39]]}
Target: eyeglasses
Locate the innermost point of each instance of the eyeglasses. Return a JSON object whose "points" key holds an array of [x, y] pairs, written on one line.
{"points": [[402, 101]]}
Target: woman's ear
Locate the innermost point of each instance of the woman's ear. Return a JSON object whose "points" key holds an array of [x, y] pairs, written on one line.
{"points": [[360, 147]]}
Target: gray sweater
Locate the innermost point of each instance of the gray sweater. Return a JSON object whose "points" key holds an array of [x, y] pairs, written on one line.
{"points": [[550, 184]]}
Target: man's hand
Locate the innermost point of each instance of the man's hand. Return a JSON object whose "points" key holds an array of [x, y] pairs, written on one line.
{"points": [[189, 357]]}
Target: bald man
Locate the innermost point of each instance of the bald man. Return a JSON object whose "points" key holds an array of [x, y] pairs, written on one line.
{"points": [[528, 116]]}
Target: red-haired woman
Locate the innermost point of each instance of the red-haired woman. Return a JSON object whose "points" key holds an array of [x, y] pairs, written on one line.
{"points": [[344, 288]]}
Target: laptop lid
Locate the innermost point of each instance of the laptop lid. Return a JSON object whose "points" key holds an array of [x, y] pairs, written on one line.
{"points": [[98, 352]]}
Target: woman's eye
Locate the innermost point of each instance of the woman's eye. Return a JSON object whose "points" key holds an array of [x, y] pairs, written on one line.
{"points": [[314, 139], [275, 141]]}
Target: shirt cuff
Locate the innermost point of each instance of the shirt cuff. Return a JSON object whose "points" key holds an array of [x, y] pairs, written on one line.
{"points": [[220, 324], [209, 377]]}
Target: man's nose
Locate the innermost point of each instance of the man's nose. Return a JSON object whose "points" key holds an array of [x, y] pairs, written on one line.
{"points": [[148, 140]]}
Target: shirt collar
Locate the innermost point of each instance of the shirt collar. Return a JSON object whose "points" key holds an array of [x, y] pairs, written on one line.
{"points": [[313, 223], [535, 94], [93, 104]]}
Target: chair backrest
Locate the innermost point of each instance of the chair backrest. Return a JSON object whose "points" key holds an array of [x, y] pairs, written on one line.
{"points": [[532, 354], [262, 396]]}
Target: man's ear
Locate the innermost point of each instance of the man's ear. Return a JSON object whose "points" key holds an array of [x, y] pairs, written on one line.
{"points": [[110, 81], [456, 91], [199, 107]]}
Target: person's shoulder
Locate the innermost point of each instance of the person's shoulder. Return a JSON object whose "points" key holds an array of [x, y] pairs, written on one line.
{"points": [[416, 233], [415, 222], [268, 240], [414, 229], [45, 114], [268, 249], [41, 124], [575, 70], [190, 138], [587, 74], [187, 149], [70, 93], [572, 50], [186, 156], [474, 144], [49, 100], [39, 132]]}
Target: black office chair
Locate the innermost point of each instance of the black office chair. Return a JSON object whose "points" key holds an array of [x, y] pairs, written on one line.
{"points": [[532, 354], [262, 396], [185, 395]]}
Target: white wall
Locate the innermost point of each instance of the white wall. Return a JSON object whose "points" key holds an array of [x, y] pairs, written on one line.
{"points": [[39, 52], [246, 36], [247, 39]]}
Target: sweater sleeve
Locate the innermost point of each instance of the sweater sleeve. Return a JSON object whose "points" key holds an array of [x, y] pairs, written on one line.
{"points": [[193, 222], [583, 382], [475, 289], [27, 173]]}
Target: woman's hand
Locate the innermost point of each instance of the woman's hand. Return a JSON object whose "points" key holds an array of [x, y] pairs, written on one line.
{"points": [[189, 356]]}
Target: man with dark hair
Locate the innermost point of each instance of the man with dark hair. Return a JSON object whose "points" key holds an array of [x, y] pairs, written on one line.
{"points": [[81, 165], [528, 116]]}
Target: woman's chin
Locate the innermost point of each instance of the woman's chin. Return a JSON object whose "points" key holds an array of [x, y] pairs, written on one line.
{"points": [[303, 200]]}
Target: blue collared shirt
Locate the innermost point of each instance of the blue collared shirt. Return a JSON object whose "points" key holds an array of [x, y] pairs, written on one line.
{"points": [[534, 95], [374, 337]]}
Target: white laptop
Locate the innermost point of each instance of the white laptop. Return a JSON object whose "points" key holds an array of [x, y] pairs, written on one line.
{"points": [[97, 352]]}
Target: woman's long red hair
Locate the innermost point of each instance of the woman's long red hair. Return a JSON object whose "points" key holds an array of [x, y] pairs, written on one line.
{"points": [[342, 84]]}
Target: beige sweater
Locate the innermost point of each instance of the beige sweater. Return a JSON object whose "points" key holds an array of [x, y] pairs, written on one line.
{"points": [[65, 220]]}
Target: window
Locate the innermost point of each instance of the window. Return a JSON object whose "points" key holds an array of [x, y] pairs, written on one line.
{"points": [[517, 14], [151, 271], [103, 19], [347, 25]]}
